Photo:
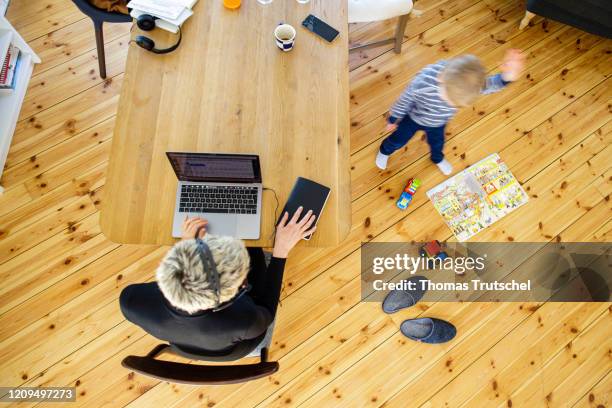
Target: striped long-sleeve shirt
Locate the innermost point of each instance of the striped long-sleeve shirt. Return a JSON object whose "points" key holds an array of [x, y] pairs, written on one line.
{"points": [[421, 99]]}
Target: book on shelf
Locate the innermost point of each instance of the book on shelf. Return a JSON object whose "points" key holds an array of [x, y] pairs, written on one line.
{"points": [[8, 72]]}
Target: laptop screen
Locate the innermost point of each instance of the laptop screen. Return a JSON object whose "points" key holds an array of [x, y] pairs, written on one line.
{"points": [[233, 168]]}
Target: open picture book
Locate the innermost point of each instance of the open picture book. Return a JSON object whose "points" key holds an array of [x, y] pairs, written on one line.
{"points": [[477, 197]]}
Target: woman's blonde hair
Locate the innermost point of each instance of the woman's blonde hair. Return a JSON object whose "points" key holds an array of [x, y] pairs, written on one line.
{"points": [[185, 284], [464, 78]]}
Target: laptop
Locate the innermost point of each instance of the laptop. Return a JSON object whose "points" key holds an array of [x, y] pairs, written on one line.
{"points": [[225, 189]]}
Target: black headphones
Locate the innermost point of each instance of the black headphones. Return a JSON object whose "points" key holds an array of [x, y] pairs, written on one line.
{"points": [[146, 22], [210, 268]]}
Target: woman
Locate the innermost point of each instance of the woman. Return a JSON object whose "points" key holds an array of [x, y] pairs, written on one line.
{"points": [[212, 292]]}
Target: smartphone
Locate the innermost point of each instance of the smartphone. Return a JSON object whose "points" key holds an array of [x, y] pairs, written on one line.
{"points": [[320, 28]]}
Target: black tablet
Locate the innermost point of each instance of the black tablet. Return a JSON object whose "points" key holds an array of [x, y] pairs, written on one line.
{"points": [[308, 194]]}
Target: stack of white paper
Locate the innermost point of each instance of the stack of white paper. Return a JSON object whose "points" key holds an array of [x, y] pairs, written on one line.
{"points": [[171, 13]]}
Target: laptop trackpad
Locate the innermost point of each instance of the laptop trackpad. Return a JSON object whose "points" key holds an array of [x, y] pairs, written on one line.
{"points": [[221, 224]]}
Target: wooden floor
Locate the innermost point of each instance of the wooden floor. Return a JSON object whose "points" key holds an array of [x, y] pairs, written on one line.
{"points": [[60, 322]]}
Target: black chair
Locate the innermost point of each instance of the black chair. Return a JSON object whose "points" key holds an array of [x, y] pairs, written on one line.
{"points": [[99, 16], [197, 374]]}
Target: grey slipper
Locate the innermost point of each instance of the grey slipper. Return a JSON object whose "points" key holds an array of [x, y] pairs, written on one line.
{"points": [[401, 299], [428, 330]]}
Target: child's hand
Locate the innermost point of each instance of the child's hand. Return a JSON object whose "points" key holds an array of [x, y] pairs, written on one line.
{"points": [[513, 65], [391, 127]]}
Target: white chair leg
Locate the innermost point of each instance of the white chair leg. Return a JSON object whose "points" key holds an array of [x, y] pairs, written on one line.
{"points": [[525, 21], [399, 33]]}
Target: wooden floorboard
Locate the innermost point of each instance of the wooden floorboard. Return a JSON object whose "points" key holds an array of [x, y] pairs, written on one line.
{"points": [[60, 322]]}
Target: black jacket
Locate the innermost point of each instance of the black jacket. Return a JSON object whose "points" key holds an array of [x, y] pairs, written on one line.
{"points": [[247, 317]]}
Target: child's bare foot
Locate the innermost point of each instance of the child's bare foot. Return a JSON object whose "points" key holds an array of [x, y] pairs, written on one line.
{"points": [[381, 160], [445, 167]]}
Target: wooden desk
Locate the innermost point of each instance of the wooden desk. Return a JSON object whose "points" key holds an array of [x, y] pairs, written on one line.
{"points": [[228, 88]]}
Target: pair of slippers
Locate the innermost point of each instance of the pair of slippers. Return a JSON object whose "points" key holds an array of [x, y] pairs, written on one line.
{"points": [[426, 329]]}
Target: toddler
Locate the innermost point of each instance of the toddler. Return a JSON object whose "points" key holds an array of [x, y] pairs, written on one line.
{"points": [[433, 97]]}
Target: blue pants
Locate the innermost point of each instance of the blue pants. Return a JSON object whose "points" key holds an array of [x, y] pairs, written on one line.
{"points": [[404, 132]]}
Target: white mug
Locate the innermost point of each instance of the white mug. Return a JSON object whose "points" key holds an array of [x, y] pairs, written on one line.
{"points": [[285, 36]]}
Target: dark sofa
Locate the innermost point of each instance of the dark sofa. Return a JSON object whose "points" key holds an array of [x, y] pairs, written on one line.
{"points": [[593, 16]]}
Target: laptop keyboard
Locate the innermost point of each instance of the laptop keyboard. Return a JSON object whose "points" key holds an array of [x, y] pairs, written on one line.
{"points": [[218, 199]]}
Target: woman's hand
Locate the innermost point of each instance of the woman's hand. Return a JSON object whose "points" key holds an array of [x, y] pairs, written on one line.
{"points": [[513, 65], [191, 227], [290, 231]]}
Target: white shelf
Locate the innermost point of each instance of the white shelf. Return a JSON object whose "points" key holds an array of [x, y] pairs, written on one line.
{"points": [[10, 103], [3, 6], [6, 36]]}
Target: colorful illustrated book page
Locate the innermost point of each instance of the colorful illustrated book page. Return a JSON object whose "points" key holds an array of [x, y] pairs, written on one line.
{"points": [[478, 196]]}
